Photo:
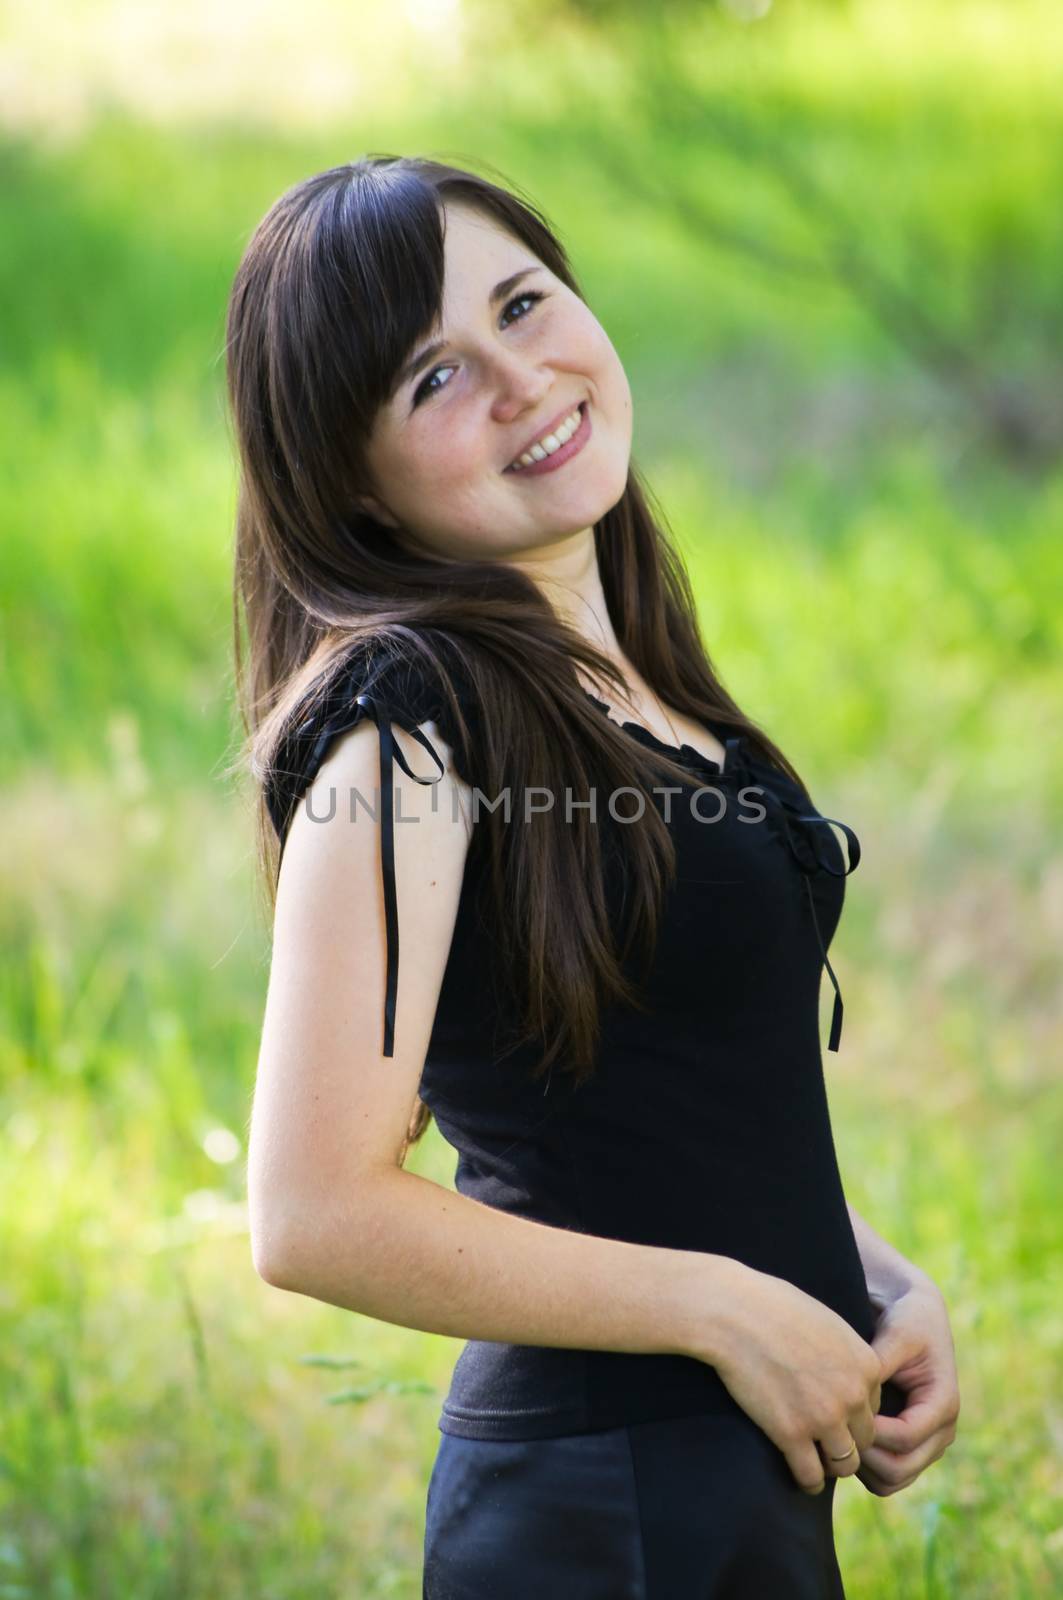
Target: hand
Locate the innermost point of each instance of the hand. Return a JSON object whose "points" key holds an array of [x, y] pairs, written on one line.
{"points": [[913, 1341], [804, 1376]]}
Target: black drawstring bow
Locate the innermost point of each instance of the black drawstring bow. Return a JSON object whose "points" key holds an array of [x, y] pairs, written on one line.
{"points": [[803, 846]]}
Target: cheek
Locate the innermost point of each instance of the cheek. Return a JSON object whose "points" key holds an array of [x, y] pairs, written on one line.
{"points": [[439, 460], [614, 367], [444, 486], [592, 340], [452, 456], [601, 363], [599, 360]]}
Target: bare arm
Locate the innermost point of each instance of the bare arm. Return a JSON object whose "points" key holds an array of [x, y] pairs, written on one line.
{"points": [[333, 1214], [416, 1254]]}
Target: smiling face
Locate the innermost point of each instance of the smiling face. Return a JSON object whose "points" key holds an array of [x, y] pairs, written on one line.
{"points": [[507, 370]]}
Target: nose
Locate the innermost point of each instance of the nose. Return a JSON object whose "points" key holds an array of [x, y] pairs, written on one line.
{"points": [[520, 385]]}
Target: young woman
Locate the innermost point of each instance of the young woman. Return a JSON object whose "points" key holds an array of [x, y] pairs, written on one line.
{"points": [[614, 907]]}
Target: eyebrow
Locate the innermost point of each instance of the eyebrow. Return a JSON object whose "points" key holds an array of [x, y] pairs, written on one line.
{"points": [[429, 353]]}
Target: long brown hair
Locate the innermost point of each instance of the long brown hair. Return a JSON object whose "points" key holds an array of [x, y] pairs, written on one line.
{"points": [[340, 280]]}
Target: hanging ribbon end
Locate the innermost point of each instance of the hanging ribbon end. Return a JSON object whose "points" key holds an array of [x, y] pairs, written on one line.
{"points": [[836, 1023]]}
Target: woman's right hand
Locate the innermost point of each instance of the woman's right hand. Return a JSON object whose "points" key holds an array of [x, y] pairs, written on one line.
{"points": [[800, 1372]]}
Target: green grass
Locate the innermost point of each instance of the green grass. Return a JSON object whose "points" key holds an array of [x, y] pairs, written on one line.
{"points": [[876, 586]]}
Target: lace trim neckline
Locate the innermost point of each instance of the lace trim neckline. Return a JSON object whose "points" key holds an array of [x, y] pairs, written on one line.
{"points": [[735, 744]]}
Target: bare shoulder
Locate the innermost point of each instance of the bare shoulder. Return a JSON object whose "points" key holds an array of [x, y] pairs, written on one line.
{"points": [[331, 880], [347, 793]]}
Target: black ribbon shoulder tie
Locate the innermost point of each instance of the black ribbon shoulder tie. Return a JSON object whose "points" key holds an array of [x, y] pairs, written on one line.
{"points": [[348, 716], [389, 752], [802, 841]]}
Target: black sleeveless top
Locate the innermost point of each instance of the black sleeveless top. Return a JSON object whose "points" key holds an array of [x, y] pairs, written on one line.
{"points": [[705, 1126]]}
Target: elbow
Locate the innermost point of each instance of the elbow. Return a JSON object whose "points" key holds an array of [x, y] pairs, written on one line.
{"points": [[271, 1253], [291, 1251], [274, 1214]]}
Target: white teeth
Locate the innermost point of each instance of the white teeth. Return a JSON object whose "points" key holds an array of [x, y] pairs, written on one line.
{"points": [[552, 441]]}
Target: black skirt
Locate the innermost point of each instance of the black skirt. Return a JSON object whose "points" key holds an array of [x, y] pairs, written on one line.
{"points": [[691, 1508]]}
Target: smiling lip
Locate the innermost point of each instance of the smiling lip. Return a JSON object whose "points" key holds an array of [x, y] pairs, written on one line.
{"points": [[570, 448]]}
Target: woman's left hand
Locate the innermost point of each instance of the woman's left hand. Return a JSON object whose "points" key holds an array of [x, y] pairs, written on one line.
{"points": [[913, 1340]]}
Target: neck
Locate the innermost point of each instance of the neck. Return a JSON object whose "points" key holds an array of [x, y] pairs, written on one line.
{"points": [[567, 572]]}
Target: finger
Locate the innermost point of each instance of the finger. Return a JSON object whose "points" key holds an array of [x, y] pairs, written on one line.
{"points": [[903, 1466], [862, 1428], [904, 1433], [807, 1468], [876, 1484], [841, 1455], [886, 1474]]}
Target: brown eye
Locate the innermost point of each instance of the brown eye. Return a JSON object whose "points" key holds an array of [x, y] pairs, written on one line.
{"points": [[423, 390], [531, 294]]}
